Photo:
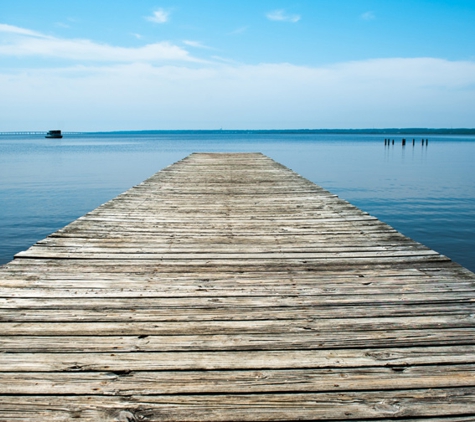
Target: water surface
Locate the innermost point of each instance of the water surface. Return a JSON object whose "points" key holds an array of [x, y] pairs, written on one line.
{"points": [[426, 192]]}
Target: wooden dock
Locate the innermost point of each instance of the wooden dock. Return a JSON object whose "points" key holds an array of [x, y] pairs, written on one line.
{"points": [[228, 288]]}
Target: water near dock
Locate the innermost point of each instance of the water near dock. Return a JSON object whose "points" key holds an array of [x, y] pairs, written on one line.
{"points": [[428, 193], [227, 287]]}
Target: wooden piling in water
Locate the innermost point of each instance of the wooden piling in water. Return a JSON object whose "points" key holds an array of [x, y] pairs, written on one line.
{"points": [[227, 287]]}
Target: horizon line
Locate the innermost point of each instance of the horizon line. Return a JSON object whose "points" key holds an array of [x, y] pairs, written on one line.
{"points": [[327, 130]]}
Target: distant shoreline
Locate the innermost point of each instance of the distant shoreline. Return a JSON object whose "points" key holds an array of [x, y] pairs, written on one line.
{"points": [[387, 131]]}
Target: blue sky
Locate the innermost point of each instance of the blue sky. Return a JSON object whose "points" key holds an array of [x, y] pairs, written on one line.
{"points": [[207, 64]]}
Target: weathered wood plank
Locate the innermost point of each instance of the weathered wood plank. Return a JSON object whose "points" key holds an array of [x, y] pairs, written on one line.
{"points": [[238, 381], [296, 325], [249, 407], [133, 354], [95, 313], [329, 303], [104, 288], [239, 342]]}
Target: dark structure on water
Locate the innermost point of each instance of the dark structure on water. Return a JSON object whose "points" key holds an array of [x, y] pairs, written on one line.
{"points": [[54, 134]]}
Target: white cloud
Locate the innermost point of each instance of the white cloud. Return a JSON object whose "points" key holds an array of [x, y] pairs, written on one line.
{"points": [[225, 60], [24, 42], [10, 29], [281, 15], [240, 30], [63, 25], [419, 92], [159, 16], [368, 16], [197, 44]]}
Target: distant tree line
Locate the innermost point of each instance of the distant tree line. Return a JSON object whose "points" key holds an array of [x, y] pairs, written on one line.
{"points": [[388, 131]]}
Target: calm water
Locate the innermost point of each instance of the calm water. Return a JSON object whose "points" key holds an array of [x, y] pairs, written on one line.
{"points": [[427, 193]]}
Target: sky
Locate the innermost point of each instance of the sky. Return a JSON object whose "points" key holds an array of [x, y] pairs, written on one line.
{"points": [[82, 65]]}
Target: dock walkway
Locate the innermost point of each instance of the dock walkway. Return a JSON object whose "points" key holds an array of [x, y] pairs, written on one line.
{"points": [[228, 288]]}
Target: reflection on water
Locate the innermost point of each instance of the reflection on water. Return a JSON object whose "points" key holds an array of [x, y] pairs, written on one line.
{"points": [[426, 192]]}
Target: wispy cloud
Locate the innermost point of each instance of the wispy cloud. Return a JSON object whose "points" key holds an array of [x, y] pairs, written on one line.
{"points": [[239, 30], [368, 16], [62, 25], [281, 15], [22, 42], [197, 44], [225, 60], [10, 29], [159, 16]]}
